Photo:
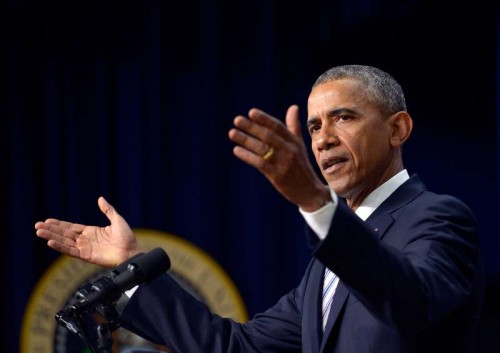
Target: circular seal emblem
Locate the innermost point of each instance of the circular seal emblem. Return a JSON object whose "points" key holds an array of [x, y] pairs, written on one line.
{"points": [[191, 267]]}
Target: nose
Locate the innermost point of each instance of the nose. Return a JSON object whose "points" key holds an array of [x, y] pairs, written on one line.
{"points": [[326, 139]]}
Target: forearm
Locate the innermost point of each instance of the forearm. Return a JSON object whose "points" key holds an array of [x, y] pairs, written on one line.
{"points": [[165, 313]]}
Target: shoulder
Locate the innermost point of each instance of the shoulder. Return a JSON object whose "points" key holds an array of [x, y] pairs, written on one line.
{"points": [[442, 203], [432, 200]]}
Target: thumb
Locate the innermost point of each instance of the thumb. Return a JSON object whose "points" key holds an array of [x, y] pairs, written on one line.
{"points": [[107, 209], [292, 120]]}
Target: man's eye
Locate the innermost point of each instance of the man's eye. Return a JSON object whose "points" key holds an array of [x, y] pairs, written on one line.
{"points": [[342, 118], [313, 128]]}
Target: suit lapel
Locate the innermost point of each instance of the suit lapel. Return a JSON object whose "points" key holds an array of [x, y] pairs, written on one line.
{"points": [[380, 223], [312, 317], [381, 219]]}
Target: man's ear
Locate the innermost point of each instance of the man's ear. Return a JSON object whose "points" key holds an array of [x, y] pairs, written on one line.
{"points": [[401, 127]]}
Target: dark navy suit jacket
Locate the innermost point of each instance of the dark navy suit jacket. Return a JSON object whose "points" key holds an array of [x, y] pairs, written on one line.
{"points": [[411, 280]]}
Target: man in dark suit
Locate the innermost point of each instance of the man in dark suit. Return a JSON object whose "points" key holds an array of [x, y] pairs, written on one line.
{"points": [[395, 267]]}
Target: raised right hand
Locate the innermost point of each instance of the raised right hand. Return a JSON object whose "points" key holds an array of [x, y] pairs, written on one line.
{"points": [[104, 246], [289, 169]]}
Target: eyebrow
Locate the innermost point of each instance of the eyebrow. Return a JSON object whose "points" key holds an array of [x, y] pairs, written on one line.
{"points": [[340, 111]]}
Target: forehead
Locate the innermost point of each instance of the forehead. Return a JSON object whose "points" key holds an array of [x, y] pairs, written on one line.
{"points": [[344, 93]]}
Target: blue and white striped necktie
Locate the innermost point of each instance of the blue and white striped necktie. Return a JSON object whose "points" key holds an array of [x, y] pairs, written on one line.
{"points": [[329, 285]]}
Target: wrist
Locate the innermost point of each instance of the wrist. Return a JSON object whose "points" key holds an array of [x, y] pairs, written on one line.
{"points": [[321, 199]]}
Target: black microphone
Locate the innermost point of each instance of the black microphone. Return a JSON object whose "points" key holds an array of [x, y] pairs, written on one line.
{"points": [[137, 270]]}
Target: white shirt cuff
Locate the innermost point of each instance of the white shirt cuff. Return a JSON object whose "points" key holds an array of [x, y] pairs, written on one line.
{"points": [[320, 220], [131, 291]]}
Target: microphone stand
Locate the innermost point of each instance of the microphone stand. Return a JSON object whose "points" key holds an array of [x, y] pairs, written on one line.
{"points": [[76, 321], [104, 338], [100, 296]]}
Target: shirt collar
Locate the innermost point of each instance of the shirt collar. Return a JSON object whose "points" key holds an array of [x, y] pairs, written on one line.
{"points": [[380, 194]]}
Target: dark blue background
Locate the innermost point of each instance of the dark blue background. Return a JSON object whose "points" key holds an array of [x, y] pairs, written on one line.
{"points": [[133, 100]]}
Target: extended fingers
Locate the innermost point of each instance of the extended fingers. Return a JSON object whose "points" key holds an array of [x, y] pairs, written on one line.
{"points": [[255, 160], [54, 224], [271, 123], [248, 142], [67, 249], [257, 130], [261, 131], [265, 142], [59, 231]]}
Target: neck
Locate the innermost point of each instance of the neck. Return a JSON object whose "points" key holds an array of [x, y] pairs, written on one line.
{"points": [[355, 199]]}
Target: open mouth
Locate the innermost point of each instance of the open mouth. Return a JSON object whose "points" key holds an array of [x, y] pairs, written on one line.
{"points": [[331, 164]]}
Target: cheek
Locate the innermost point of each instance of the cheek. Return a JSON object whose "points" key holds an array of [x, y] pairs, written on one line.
{"points": [[353, 144], [372, 152], [363, 144]]}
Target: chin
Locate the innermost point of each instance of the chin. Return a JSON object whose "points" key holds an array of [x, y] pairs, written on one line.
{"points": [[341, 188]]}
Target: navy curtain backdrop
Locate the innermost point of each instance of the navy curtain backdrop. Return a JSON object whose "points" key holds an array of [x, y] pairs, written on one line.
{"points": [[133, 100]]}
